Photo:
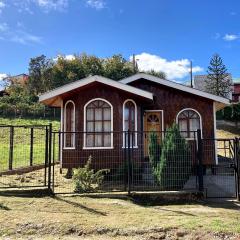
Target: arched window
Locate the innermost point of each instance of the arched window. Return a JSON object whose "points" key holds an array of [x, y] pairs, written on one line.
{"points": [[130, 122], [189, 120], [69, 125], [98, 124]]}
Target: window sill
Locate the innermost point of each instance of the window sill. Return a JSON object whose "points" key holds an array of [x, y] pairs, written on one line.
{"points": [[97, 148], [69, 148], [129, 147]]}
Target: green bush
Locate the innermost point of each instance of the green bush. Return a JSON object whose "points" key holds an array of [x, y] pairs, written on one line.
{"points": [[154, 149], [228, 113], [122, 171], [173, 167], [86, 180]]}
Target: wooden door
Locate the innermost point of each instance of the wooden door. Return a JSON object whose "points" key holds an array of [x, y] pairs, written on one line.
{"points": [[152, 123]]}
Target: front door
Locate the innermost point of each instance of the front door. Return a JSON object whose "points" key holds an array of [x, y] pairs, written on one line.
{"points": [[152, 123]]}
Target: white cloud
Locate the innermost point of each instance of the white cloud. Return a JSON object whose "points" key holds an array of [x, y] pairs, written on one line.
{"points": [[97, 4], [2, 83], [230, 37], [3, 27], [67, 57], [45, 5], [176, 69], [25, 37], [2, 6], [17, 35], [52, 4]]}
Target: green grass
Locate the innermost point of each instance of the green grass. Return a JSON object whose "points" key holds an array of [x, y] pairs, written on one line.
{"points": [[114, 217], [21, 143]]}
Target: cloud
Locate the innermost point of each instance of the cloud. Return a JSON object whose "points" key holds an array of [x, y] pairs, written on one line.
{"points": [[67, 57], [2, 83], [176, 69], [18, 35], [45, 5], [3, 27], [2, 6], [97, 4], [25, 37], [230, 37]]}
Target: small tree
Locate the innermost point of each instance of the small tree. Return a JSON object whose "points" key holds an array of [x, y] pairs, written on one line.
{"points": [[218, 81], [154, 149], [174, 166], [86, 180]]}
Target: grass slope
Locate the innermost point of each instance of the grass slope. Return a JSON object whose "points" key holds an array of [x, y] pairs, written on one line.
{"points": [[21, 143], [115, 217]]}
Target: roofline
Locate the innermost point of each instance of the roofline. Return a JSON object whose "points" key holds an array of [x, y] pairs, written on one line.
{"points": [[176, 86], [85, 81]]}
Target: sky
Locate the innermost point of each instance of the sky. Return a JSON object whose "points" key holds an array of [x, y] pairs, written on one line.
{"points": [[164, 34]]}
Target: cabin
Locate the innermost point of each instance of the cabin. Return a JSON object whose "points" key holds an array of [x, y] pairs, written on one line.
{"points": [[96, 112]]}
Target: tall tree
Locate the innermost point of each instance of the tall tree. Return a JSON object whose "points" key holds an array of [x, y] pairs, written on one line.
{"points": [[39, 75], [159, 74], [218, 81], [117, 67]]}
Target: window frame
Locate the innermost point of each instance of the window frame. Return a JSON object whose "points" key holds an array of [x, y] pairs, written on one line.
{"points": [[85, 124], [74, 125], [200, 120], [135, 123]]}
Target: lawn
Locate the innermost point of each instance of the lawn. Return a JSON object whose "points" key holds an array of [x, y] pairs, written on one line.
{"points": [[114, 217], [21, 142]]}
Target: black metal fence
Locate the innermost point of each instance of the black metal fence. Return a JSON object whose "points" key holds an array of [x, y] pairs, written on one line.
{"points": [[23, 155], [68, 162], [133, 161]]}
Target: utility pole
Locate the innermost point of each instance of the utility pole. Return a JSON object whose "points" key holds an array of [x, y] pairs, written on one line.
{"points": [[134, 63], [191, 74]]}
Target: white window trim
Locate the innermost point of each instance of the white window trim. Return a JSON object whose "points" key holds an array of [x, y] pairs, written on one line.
{"points": [[136, 120], [191, 109], [85, 127], [74, 127], [162, 119]]}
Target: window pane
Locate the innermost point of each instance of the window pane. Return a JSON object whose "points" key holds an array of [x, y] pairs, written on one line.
{"points": [[98, 140], [98, 126], [107, 126], [98, 114], [126, 126], [107, 140], [90, 126], [90, 114], [126, 113], [89, 141], [194, 124], [107, 114], [183, 127]]}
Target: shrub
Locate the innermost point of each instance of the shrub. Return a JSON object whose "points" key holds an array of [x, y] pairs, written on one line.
{"points": [[174, 165], [154, 149], [122, 171], [86, 180]]}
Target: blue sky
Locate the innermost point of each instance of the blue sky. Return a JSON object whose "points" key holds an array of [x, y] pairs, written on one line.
{"points": [[164, 34]]}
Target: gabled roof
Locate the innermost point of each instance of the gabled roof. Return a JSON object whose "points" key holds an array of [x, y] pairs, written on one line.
{"points": [[52, 97], [175, 86]]}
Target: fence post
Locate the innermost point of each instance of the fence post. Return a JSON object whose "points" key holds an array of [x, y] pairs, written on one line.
{"points": [[31, 147], [200, 156], [129, 156], [46, 155], [237, 169], [50, 156], [11, 148]]}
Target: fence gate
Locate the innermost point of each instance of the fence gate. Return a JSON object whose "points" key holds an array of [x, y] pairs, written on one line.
{"points": [[221, 179], [23, 156]]}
